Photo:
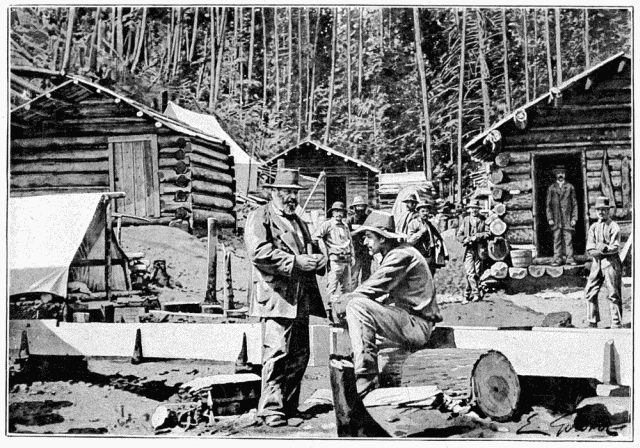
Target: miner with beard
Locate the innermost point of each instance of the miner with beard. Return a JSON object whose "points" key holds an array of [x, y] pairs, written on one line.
{"points": [[280, 247]]}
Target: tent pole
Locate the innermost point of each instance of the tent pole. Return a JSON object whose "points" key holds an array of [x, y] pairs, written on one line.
{"points": [[107, 249]]}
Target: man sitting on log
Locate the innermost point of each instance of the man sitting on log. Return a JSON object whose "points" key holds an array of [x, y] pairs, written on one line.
{"points": [[472, 233], [397, 302], [278, 244], [562, 214], [425, 237], [603, 244]]}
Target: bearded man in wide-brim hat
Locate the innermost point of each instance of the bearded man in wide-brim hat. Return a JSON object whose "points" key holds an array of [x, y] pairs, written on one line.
{"points": [[277, 242], [398, 301], [562, 215], [603, 244]]}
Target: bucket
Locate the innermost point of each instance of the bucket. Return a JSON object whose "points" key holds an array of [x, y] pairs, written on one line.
{"points": [[521, 258]]}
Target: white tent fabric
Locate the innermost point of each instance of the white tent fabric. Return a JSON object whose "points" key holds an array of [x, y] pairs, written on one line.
{"points": [[46, 234], [208, 124]]}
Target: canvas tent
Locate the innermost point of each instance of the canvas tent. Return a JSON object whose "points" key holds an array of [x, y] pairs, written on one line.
{"points": [[57, 238], [246, 166]]}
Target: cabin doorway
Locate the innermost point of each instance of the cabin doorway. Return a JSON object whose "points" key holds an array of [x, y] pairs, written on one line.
{"points": [[335, 190], [542, 180]]}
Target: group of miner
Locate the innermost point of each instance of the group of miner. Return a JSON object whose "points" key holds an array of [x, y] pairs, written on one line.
{"points": [[380, 277]]}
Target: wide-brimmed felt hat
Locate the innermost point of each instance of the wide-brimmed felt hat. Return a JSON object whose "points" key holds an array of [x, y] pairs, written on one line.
{"points": [[559, 169], [338, 205], [411, 198], [473, 203], [602, 202], [381, 223], [358, 200], [287, 178], [425, 204]]}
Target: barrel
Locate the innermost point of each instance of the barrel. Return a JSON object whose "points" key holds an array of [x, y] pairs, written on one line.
{"points": [[521, 258]]}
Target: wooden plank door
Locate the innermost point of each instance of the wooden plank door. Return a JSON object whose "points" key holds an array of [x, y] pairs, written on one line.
{"points": [[133, 162]]}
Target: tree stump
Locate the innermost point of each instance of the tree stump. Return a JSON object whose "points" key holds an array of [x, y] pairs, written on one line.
{"points": [[554, 271], [497, 227], [499, 209], [495, 386], [536, 271], [496, 176], [503, 159], [499, 270], [518, 273], [498, 249], [497, 194]]}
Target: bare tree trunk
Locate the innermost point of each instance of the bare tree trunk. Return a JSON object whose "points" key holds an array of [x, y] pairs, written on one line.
{"points": [[252, 41], [202, 68], [484, 72], [548, 43], [525, 43], [177, 43], [307, 73], [290, 45], [66, 59], [169, 37], [535, 55], [95, 44], [425, 103], [140, 43], [113, 30], [240, 58], [265, 63], [381, 31], [507, 88], [558, 52], [223, 25], [300, 77], [587, 59], [334, 44], [349, 75], [360, 69], [234, 44], [119, 34], [276, 44], [463, 36], [313, 74], [212, 69], [194, 35]]}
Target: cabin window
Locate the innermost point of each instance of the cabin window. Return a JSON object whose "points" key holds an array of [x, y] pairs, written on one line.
{"points": [[133, 168], [335, 190], [543, 177]]}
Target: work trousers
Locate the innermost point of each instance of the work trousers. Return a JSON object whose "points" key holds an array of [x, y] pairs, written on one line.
{"points": [[367, 318], [361, 270], [338, 279], [473, 270], [611, 276], [285, 355], [562, 245]]}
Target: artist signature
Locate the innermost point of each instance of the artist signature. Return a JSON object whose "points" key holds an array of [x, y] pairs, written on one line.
{"points": [[564, 424]]}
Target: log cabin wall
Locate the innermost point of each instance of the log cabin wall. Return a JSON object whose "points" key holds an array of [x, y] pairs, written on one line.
{"points": [[71, 150], [589, 118]]}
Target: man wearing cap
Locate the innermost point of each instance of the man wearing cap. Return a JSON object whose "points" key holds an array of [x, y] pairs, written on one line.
{"points": [[361, 270], [562, 214], [336, 236], [603, 244], [397, 302], [402, 226], [423, 235], [472, 233], [278, 244]]}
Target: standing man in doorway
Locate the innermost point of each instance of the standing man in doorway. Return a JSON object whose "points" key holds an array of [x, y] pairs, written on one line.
{"points": [[278, 244], [361, 270], [562, 214]]}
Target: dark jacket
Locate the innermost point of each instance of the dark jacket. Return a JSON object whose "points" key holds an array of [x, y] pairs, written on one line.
{"points": [[466, 232], [562, 206], [272, 248]]}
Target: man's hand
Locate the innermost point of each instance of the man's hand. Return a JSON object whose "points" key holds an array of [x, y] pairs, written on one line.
{"points": [[551, 222], [321, 261], [602, 248], [339, 306], [306, 262], [573, 223]]}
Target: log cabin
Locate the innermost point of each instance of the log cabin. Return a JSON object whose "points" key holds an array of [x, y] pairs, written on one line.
{"points": [[82, 137], [584, 124], [345, 177]]}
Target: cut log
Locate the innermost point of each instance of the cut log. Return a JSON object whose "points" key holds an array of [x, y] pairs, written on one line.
{"points": [[523, 201], [207, 201], [536, 271], [499, 209], [497, 194], [163, 418], [498, 249], [495, 386], [497, 227], [520, 235], [209, 162], [212, 176], [496, 176], [554, 271], [169, 176], [502, 159], [211, 188], [519, 217], [171, 163], [224, 219], [517, 168], [499, 270], [518, 273]]}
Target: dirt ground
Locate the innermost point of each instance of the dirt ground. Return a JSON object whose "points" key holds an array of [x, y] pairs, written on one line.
{"points": [[118, 398]]}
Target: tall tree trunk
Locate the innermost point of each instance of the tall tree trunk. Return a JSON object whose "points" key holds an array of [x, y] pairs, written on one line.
{"points": [[240, 59], [307, 73], [212, 69], [223, 24], [169, 41], [381, 31], [119, 34], [265, 62], [276, 44], [484, 71], [140, 43], [194, 35], [334, 44], [507, 89], [177, 43], [300, 77], [360, 68], [113, 30], [558, 52], [587, 59], [547, 39], [426, 156], [95, 44], [290, 46], [66, 59], [202, 67], [349, 75], [312, 90], [463, 36], [525, 44], [536, 52], [252, 41], [232, 77]]}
